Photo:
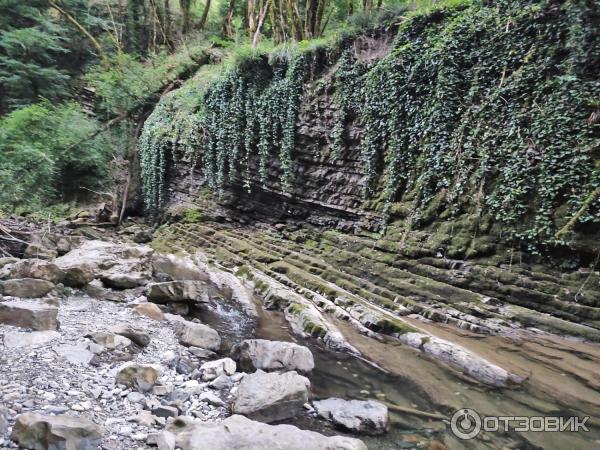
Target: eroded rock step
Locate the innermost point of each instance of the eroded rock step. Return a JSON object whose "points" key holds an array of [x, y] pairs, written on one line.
{"points": [[392, 286], [347, 306], [325, 266]]}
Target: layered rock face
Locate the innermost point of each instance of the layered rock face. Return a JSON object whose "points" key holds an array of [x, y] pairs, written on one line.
{"points": [[118, 374], [401, 134], [458, 227], [324, 192], [327, 190]]}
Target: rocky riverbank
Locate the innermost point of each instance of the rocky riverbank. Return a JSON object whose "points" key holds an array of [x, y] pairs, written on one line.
{"points": [[95, 356], [460, 333], [152, 348]]}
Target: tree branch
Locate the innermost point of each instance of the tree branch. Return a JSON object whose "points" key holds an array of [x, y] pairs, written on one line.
{"points": [[80, 27], [261, 20], [571, 223]]}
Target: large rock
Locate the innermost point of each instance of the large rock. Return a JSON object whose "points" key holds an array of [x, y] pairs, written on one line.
{"points": [[74, 354], [96, 289], [16, 339], [78, 275], [29, 315], [118, 280], [138, 233], [270, 397], [35, 268], [140, 337], [359, 416], [38, 432], [213, 369], [197, 335], [64, 244], [40, 251], [149, 310], [177, 268], [177, 291], [141, 377], [239, 433], [165, 441], [253, 354], [109, 340], [26, 287], [106, 260]]}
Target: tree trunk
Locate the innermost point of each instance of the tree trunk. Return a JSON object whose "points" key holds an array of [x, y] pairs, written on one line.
{"points": [[278, 22], [226, 28], [319, 17], [261, 19], [293, 16], [325, 22], [80, 27], [167, 22], [204, 17], [185, 6], [250, 16], [573, 220], [310, 18]]}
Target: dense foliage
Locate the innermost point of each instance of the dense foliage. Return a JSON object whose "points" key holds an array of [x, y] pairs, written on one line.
{"points": [[487, 107], [238, 114], [34, 51], [244, 114], [481, 109], [47, 153]]}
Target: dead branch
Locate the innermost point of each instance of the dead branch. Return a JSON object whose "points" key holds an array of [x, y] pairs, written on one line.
{"points": [[584, 207], [80, 27]]}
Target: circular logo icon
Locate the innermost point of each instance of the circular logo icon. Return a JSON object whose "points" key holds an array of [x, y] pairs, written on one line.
{"points": [[465, 423]]}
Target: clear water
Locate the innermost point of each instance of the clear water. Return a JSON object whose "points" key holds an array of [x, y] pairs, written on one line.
{"points": [[335, 375]]}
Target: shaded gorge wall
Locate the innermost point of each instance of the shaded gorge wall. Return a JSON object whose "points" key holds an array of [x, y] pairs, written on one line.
{"points": [[472, 131]]}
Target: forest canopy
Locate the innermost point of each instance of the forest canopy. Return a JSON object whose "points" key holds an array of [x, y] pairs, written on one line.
{"points": [[500, 95], [100, 66]]}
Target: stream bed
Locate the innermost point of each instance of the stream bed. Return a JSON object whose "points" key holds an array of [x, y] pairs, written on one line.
{"points": [[403, 378], [335, 375]]}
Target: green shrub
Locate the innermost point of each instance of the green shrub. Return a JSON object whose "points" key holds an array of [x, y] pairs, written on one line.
{"points": [[47, 152], [128, 83], [192, 215]]}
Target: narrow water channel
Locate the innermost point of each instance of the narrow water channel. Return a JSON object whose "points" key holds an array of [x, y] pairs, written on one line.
{"points": [[407, 380], [335, 375]]}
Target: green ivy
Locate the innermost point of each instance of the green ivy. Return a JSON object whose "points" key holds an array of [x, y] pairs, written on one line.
{"points": [[171, 130], [347, 96], [238, 115], [492, 107], [487, 105]]}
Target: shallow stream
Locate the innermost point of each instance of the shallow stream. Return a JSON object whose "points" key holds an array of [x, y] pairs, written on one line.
{"points": [[406, 380], [335, 375]]}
